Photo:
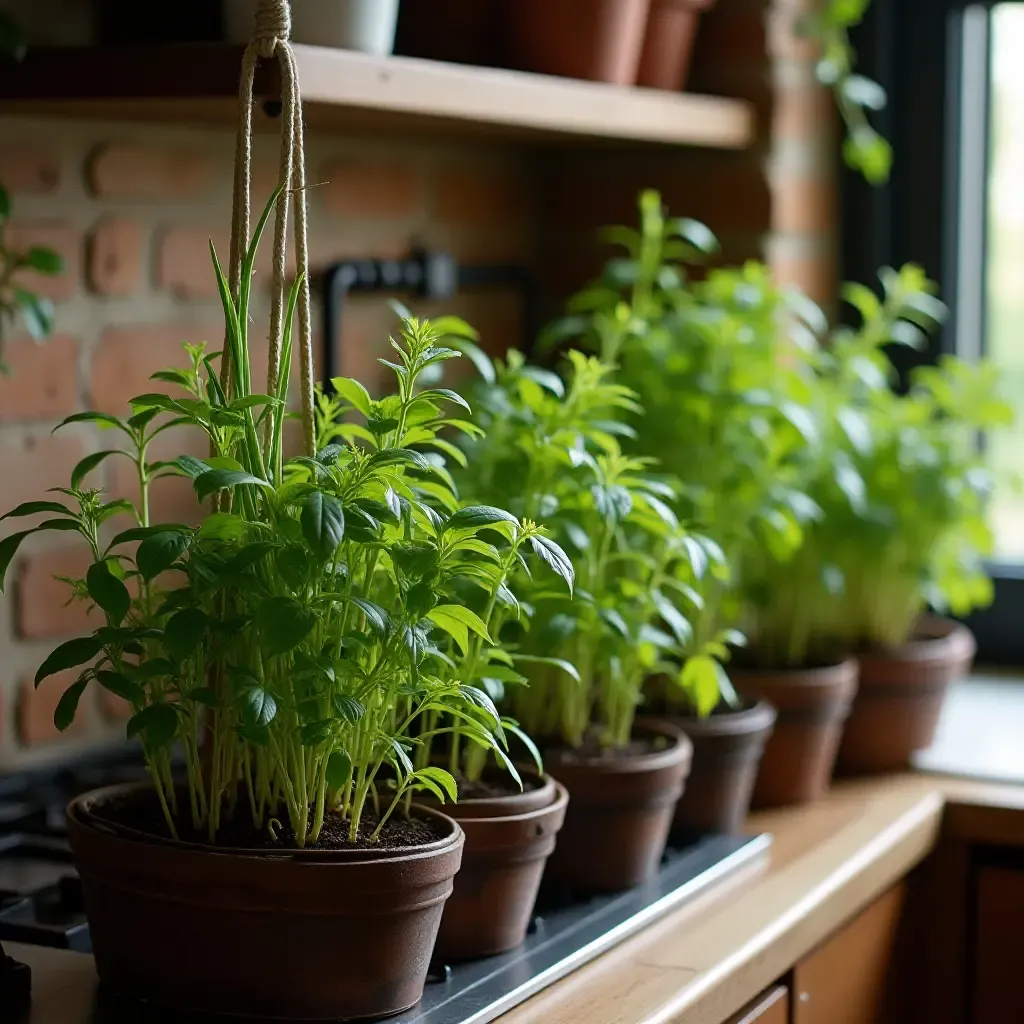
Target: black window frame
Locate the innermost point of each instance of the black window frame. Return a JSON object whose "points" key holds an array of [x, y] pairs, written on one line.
{"points": [[921, 51]]}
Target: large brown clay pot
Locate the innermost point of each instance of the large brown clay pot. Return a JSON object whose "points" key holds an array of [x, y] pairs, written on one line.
{"points": [[812, 705], [727, 749], [598, 40], [620, 810], [668, 43], [901, 693], [302, 934], [508, 842]]}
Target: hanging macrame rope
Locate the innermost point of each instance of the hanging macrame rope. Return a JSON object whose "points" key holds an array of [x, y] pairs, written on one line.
{"points": [[270, 37]]}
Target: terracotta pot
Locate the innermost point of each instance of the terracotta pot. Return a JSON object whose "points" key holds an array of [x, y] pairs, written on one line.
{"points": [[598, 40], [812, 705], [901, 693], [506, 849], [311, 935], [727, 750], [620, 811], [668, 43], [463, 31]]}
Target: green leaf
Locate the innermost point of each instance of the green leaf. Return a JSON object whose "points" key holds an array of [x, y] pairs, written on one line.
{"points": [[377, 618], [108, 591], [354, 393], [205, 696], [184, 632], [142, 532], [8, 549], [323, 523], [31, 508], [512, 727], [474, 517], [44, 260], [159, 552], [398, 456], [476, 355], [157, 724], [699, 679], [223, 526], [548, 551], [347, 707], [258, 706], [192, 467], [446, 393], [457, 621], [103, 420], [312, 734], [441, 779], [89, 463], [560, 663], [67, 706], [37, 312], [121, 686], [214, 480], [69, 654], [283, 624], [339, 769]]}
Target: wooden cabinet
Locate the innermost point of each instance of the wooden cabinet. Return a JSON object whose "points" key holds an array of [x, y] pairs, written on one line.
{"points": [[846, 980], [771, 1007], [998, 960]]}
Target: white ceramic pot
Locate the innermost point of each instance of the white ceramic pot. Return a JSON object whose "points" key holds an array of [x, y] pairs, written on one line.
{"points": [[365, 25]]}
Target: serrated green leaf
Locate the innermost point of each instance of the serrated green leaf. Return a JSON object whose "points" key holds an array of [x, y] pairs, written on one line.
{"points": [[159, 552], [323, 523]]}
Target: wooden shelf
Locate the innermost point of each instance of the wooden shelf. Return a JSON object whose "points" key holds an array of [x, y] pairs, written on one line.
{"points": [[346, 90]]}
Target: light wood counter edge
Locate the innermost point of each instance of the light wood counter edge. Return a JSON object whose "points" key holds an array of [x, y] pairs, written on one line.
{"points": [[702, 963]]}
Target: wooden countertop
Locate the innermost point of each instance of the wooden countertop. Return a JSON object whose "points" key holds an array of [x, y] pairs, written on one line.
{"points": [[704, 962]]}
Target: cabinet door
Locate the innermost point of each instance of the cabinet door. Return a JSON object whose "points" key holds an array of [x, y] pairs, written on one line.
{"points": [[771, 1007], [846, 979], [998, 964]]}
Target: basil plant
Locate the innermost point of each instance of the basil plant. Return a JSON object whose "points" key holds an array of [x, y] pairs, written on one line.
{"points": [[901, 482], [725, 400], [552, 450], [296, 645]]}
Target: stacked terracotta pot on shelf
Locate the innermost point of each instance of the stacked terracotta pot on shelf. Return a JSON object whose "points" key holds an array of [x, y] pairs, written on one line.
{"points": [[623, 42]]}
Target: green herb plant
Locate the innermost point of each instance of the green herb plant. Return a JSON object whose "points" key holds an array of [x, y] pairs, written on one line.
{"points": [[552, 450], [726, 393], [292, 644], [901, 481], [864, 149]]}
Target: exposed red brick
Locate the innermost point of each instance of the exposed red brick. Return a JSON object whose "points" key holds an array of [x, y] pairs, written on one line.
{"points": [[115, 256], [42, 606], [804, 205], [131, 171], [803, 111], [58, 235], [184, 266], [29, 168], [126, 357], [43, 379], [374, 190], [482, 195], [36, 708], [31, 465]]}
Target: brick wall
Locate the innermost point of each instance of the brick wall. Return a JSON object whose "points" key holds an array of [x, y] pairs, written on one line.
{"points": [[131, 207]]}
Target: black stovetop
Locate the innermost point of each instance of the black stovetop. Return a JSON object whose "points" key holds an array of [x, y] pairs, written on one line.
{"points": [[41, 902]]}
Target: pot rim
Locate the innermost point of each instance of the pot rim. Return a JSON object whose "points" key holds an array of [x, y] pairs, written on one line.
{"points": [[839, 675], [680, 749], [943, 639], [559, 801], [759, 717], [80, 809]]}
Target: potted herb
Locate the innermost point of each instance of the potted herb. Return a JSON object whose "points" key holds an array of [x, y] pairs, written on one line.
{"points": [[912, 531], [727, 409], [287, 647], [510, 815], [553, 449]]}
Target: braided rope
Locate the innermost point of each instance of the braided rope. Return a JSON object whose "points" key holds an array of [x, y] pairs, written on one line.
{"points": [[271, 32]]}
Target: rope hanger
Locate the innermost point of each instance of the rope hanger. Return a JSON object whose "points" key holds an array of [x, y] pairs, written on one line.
{"points": [[271, 34]]}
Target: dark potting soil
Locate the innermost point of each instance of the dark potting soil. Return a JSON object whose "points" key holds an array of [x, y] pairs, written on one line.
{"points": [[594, 750], [142, 813], [495, 787]]}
